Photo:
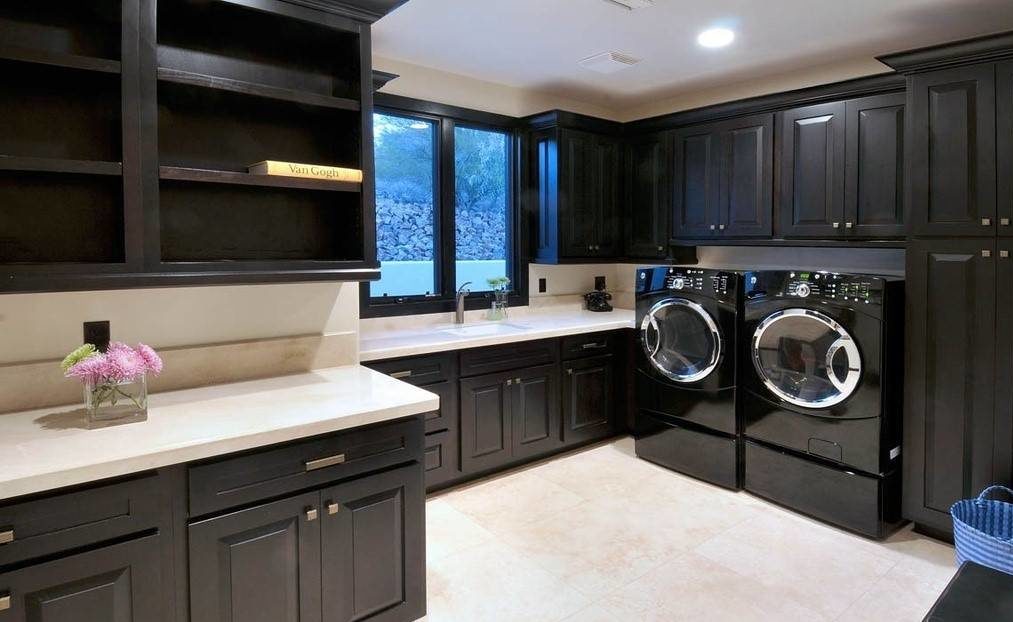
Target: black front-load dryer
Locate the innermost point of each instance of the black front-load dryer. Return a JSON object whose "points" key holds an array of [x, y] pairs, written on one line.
{"points": [[821, 384], [685, 373]]}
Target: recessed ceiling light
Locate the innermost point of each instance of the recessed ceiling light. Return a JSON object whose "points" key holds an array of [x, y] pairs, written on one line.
{"points": [[715, 37]]}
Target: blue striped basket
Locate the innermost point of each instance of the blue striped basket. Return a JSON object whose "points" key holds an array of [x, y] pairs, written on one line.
{"points": [[983, 530]]}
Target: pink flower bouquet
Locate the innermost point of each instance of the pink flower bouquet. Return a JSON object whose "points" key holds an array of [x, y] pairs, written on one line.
{"points": [[115, 380]]}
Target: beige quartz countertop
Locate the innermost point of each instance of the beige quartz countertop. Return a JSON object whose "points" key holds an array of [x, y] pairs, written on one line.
{"points": [[385, 341], [50, 448]]}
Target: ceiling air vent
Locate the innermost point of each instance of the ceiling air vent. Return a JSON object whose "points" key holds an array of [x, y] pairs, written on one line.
{"points": [[632, 4], [608, 62]]}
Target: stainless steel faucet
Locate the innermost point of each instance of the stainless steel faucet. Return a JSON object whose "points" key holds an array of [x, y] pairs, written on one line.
{"points": [[462, 293]]}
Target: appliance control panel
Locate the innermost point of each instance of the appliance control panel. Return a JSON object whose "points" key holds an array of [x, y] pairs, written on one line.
{"points": [[713, 283], [818, 285]]}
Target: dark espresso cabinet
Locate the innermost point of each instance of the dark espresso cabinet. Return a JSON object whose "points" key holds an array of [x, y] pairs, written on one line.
{"points": [[647, 197], [723, 178], [811, 158], [953, 151], [576, 171], [535, 411], [957, 425], [1004, 146], [874, 166], [116, 583], [589, 402]]}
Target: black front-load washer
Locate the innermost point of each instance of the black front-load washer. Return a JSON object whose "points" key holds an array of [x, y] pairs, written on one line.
{"points": [[685, 373], [821, 386]]}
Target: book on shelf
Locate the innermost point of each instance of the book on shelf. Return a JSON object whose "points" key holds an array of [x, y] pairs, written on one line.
{"points": [[308, 171]]}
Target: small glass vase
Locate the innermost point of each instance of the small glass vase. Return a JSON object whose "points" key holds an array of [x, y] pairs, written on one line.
{"points": [[110, 403], [498, 310]]}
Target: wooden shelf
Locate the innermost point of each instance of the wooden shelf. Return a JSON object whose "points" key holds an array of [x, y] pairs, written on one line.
{"points": [[246, 179], [56, 165], [58, 59], [179, 76]]}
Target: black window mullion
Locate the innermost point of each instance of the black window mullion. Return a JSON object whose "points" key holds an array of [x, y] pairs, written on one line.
{"points": [[448, 201]]}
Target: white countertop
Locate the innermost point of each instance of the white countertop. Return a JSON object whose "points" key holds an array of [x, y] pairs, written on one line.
{"points": [[385, 343], [51, 448]]}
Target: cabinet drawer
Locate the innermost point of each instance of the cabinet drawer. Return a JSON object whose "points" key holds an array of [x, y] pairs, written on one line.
{"points": [[64, 521], [590, 344], [261, 474], [446, 417], [441, 458], [419, 370], [480, 361]]}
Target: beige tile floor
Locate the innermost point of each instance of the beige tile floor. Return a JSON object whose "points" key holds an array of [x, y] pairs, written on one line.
{"points": [[598, 535]]}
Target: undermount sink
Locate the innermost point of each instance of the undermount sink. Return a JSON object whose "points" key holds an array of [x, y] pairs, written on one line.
{"points": [[484, 329]]}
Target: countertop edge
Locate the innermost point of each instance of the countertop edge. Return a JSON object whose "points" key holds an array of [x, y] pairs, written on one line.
{"points": [[367, 355]]}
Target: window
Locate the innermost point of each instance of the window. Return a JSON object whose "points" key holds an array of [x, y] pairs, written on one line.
{"points": [[446, 214]]}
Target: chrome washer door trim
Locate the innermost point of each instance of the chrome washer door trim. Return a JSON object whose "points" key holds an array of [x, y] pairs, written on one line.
{"points": [[844, 341], [650, 321]]}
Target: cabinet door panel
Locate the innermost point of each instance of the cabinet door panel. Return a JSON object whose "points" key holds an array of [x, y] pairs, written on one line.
{"points": [[577, 193], [647, 230], [441, 458], [1004, 146], [953, 151], [812, 171], [486, 429], [118, 583], [588, 399], [604, 220], [535, 414], [373, 543], [746, 177], [545, 168], [695, 196], [874, 198], [1004, 363], [948, 424], [257, 565]]}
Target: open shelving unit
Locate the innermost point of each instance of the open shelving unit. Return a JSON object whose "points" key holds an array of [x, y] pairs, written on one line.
{"points": [[127, 128]]}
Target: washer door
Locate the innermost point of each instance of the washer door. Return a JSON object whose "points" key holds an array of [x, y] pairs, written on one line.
{"points": [[681, 340], [806, 358]]}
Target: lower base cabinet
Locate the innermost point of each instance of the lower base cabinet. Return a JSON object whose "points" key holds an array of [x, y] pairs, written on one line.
{"points": [[588, 398], [351, 552], [117, 583]]}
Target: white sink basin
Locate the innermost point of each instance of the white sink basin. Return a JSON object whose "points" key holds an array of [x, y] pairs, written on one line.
{"points": [[485, 329]]}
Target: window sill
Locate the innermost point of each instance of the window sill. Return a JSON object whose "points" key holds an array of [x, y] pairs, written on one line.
{"points": [[371, 308]]}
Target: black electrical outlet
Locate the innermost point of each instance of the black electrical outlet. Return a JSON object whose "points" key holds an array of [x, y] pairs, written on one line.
{"points": [[542, 286], [97, 334]]}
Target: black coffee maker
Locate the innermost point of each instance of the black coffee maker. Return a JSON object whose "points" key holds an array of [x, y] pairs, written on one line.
{"points": [[598, 300]]}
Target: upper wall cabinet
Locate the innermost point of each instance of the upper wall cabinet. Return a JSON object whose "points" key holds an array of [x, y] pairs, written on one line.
{"points": [[842, 169], [576, 179], [953, 151], [1004, 146], [722, 179], [129, 131], [647, 197]]}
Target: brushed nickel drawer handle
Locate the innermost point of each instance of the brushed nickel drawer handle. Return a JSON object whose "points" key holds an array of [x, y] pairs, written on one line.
{"points": [[402, 374], [1004, 254], [5, 602], [837, 225], [332, 508], [986, 222], [311, 513], [6, 536], [986, 253], [322, 463], [1004, 222], [593, 345]]}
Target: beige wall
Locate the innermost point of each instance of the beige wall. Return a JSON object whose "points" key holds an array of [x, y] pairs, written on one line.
{"points": [[457, 90], [37, 327], [449, 88]]}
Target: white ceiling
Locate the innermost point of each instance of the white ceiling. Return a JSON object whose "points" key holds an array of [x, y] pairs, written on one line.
{"points": [[536, 44]]}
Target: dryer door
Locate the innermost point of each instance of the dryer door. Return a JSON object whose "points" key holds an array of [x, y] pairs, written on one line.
{"points": [[806, 358], [681, 340]]}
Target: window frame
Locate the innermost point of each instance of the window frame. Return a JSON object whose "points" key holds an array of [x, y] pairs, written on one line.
{"points": [[447, 119]]}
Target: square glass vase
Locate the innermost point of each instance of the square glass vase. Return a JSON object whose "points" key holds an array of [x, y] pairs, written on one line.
{"points": [[498, 309], [109, 403]]}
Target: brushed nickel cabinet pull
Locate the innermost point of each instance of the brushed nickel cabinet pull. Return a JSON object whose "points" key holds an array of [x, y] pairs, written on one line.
{"points": [[510, 381], [1004, 222], [661, 248], [311, 513], [722, 227], [986, 253], [7, 536], [5, 602], [320, 463], [986, 222], [849, 225], [402, 374], [1004, 254], [837, 225], [593, 345], [332, 508], [569, 371], [713, 227]]}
